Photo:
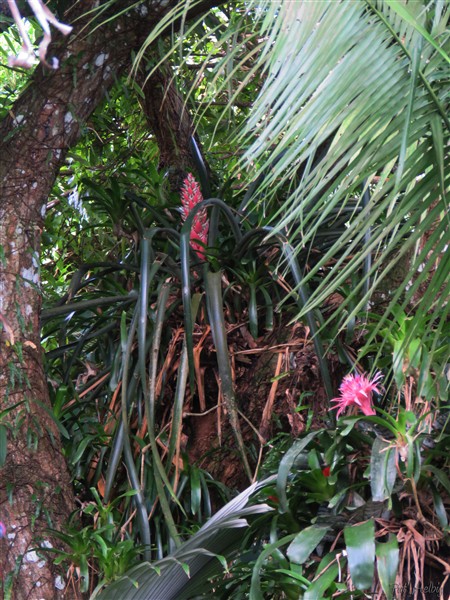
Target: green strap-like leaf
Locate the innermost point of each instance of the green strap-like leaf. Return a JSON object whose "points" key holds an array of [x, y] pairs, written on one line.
{"points": [[255, 587], [360, 542], [327, 571], [387, 565], [401, 10], [161, 479], [382, 470], [214, 304], [305, 542], [218, 204], [285, 468], [127, 338]]}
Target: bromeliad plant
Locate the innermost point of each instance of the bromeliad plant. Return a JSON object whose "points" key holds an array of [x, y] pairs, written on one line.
{"points": [[119, 389], [354, 508], [245, 243], [356, 390], [190, 197], [351, 512]]}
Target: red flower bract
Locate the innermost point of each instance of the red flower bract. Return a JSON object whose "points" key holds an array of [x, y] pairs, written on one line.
{"points": [[190, 197], [356, 390]]}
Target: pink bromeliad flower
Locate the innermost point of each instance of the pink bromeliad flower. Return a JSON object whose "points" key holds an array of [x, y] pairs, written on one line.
{"points": [[356, 390], [190, 196]]}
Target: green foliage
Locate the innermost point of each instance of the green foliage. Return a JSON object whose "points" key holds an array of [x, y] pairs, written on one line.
{"points": [[418, 344], [284, 556], [387, 564], [116, 323], [181, 573], [397, 136], [99, 547], [325, 128], [12, 81], [360, 547]]}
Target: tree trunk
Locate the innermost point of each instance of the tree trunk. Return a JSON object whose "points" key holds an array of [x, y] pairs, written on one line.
{"points": [[168, 118], [35, 487]]}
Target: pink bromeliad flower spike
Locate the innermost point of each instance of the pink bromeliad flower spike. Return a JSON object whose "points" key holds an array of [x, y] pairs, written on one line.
{"points": [[190, 196], [356, 390]]}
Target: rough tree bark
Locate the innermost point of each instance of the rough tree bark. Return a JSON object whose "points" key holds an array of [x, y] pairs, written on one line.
{"points": [[35, 486], [169, 119]]}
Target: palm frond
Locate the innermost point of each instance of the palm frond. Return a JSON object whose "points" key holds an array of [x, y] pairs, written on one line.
{"points": [[365, 77], [176, 576]]}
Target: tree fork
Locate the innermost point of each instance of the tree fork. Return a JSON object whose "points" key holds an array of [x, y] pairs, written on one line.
{"points": [[169, 119]]}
